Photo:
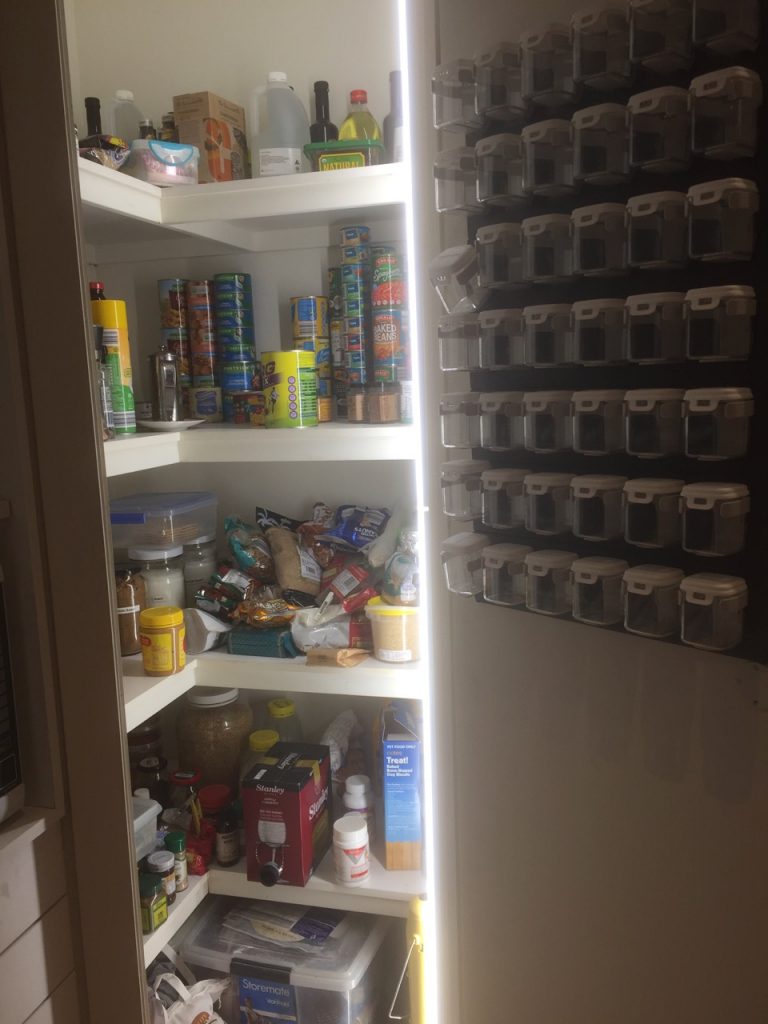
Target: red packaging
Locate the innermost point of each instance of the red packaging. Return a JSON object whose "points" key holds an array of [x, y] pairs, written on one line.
{"points": [[286, 808]]}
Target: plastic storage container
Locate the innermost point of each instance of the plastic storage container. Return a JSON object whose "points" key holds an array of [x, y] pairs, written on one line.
{"points": [[461, 487], [717, 422], [503, 498], [724, 106], [660, 34], [455, 172], [453, 96], [162, 570], [601, 144], [462, 558], [655, 327], [500, 256], [548, 65], [501, 421], [599, 240], [601, 49], [162, 163], [145, 814], [499, 84], [721, 217], [598, 422], [596, 590], [454, 276], [712, 607], [548, 163], [714, 518], [659, 138], [726, 27], [598, 332], [548, 582], [458, 341], [548, 421], [501, 339], [460, 419], [652, 512], [719, 322], [548, 503], [654, 422], [395, 630], [158, 520], [499, 160], [652, 600], [548, 335], [657, 230], [547, 248], [597, 506], [504, 574]]}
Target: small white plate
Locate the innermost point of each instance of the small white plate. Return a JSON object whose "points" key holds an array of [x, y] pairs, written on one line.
{"points": [[166, 425]]}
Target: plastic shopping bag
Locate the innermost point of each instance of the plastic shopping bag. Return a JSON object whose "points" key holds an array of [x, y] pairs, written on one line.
{"points": [[194, 1005]]}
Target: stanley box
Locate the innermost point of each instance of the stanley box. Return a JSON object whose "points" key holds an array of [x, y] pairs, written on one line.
{"points": [[217, 128], [401, 779]]}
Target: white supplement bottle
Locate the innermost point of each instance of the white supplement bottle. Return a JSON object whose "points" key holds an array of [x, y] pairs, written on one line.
{"points": [[351, 853], [358, 797]]}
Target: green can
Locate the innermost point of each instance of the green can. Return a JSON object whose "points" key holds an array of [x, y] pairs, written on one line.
{"points": [[290, 388]]}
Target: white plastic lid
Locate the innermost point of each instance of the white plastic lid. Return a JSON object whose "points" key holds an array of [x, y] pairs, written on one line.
{"points": [[648, 102], [537, 314], [540, 38], [205, 539], [650, 202], [716, 82], [211, 697], [589, 399], [450, 321], [142, 793], [642, 305], [713, 191], [496, 317], [124, 94], [589, 309], [462, 469], [552, 126], [642, 578], [536, 400], [161, 861], [277, 76], [539, 563], [499, 477], [458, 259], [496, 556], [155, 554], [493, 232], [590, 116], [464, 544], [706, 494], [538, 225], [709, 298], [588, 486], [708, 585], [538, 483], [350, 830], [587, 570], [644, 399], [649, 487], [584, 215], [455, 401], [506, 144], [709, 398], [359, 785], [493, 401], [502, 50]]}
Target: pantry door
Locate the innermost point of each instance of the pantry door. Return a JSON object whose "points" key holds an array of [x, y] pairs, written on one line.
{"points": [[38, 184]]}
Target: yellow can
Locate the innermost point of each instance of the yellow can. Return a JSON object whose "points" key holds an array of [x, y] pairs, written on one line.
{"points": [[163, 640], [110, 314], [290, 388]]}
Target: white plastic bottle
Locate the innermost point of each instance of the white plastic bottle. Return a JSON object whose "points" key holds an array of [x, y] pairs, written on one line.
{"points": [[358, 797], [279, 128], [125, 116], [351, 853]]}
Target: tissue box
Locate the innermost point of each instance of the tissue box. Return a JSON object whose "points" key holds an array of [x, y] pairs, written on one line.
{"points": [[217, 127]]}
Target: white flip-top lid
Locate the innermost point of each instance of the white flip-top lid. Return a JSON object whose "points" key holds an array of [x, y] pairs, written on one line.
{"points": [[547, 37], [644, 399], [590, 309], [494, 400], [710, 298], [643, 305], [642, 579], [610, 113], [589, 486], [459, 401], [463, 544], [534, 401], [707, 192], [510, 232], [540, 483], [496, 556], [453, 321], [642, 490], [557, 127], [586, 215], [608, 17], [539, 314], [461, 158], [583, 401], [506, 54], [539, 563], [459, 259], [733, 81], [494, 479], [707, 495], [706, 587], [150, 554], [547, 222], [506, 144], [651, 202], [497, 317], [665, 98], [462, 469], [708, 399], [597, 567]]}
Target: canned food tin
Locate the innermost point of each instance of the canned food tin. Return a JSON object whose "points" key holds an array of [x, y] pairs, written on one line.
{"points": [[172, 293], [338, 342], [355, 234], [355, 289], [388, 286], [355, 254], [258, 378], [233, 302], [236, 376], [205, 404], [200, 293], [235, 335], [355, 272], [290, 388], [324, 409], [387, 345], [204, 380], [226, 318], [200, 318], [382, 250], [355, 327], [225, 283], [334, 292], [309, 316], [228, 407], [340, 392], [322, 349], [203, 367], [355, 308], [248, 408], [236, 353]]}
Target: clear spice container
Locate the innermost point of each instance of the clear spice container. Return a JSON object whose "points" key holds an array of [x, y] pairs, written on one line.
{"points": [[726, 27], [163, 573], [548, 65], [601, 144], [500, 256], [717, 422], [655, 327], [455, 172], [499, 84], [460, 419], [382, 403], [652, 512], [719, 322], [461, 487], [598, 422], [453, 96], [548, 158], [598, 332], [660, 34], [454, 277], [652, 600], [599, 240], [458, 341], [724, 106], [504, 574], [547, 248], [548, 335], [503, 498], [597, 513], [601, 49], [714, 518], [131, 601], [501, 421], [501, 339], [721, 216], [654, 422], [211, 730], [548, 421], [548, 503], [284, 720], [462, 558], [548, 582], [199, 565], [713, 610], [596, 590], [657, 230], [499, 161], [659, 129], [259, 743]]}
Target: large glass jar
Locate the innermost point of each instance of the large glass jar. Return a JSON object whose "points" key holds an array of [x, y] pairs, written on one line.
{"points": [[131, 601], [212, 731], [163, 573]]}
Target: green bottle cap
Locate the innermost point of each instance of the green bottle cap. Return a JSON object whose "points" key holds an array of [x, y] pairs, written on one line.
{"points": [[176, 842]]}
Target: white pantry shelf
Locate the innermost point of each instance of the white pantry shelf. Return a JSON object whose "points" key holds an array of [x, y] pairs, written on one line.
{"points": [[179, 913]]}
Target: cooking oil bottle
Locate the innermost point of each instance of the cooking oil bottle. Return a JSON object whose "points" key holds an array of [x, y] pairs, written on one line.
{"points": [[359, 122]]}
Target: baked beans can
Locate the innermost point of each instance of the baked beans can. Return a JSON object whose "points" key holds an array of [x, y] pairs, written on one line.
{"points": [[355, 254], [172, 294], [233, 318], [290, 388], [248, 408], [387, 344], [388, 286], [225, 284], [324, 409], [354, 234], [237, 376], [205, 404], [309, 316], [200, 293]]}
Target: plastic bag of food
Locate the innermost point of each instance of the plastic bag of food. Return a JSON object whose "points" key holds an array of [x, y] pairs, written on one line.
{"points": [[400, 584], [330, 626], [250, 549], [266, 609], [352, 586], [382, 549], [107, 150], [355, 527], [296, 569], [226, 588], [203, 631]]}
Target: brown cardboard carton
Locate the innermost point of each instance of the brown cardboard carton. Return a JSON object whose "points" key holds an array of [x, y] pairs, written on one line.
{"points": [[217, 127]]}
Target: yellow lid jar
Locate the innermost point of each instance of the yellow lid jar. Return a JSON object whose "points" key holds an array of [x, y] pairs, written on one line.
{"points": [[163, 640]]}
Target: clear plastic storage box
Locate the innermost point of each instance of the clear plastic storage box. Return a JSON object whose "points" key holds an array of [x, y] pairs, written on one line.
{"points": [[598, 422], [503, 498], [500, 170], [454, 276], [599, 240], [461, 487], [548, 503], [455, 172], [501, 421], [721, 216], [548, 65], [597, 513], [499, 84], [724, 106], [717, 422], [500, 256], [712, 608], [459, 341], [655, 325], [657, 230], [659, 137], [548, 421], [598, 332], [548, 582], [453, 96], [596, 590], [714, 518], [601, 144], [462, 558], [654, 422], [652, 600], [162, 520], [548, 158], [501, 339], [601, 49], [660, 34], [548, 335], [460, 419], [145, 814], [652, 512], [719, 322], [726, 27], [547, 248], [504, 574]]}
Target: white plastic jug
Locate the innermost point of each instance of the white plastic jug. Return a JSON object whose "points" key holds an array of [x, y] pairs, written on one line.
{"points": [[278, 128], [125, 116]]}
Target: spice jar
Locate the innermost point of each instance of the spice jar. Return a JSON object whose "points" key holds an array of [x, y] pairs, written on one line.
{"points": [[151, 773], [213, 800], [259, 743], [284, 720], [176, 843], [154, 905], [131, 601], [211, 729], [163, 574], [163, 641], [161, 863], [227, 838]]}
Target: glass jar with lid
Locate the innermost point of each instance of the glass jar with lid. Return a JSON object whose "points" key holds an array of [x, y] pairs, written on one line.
{"points": [[284, 720], [211, 731], [601, 49], [199, 565], [163, 573], [131, 601]]}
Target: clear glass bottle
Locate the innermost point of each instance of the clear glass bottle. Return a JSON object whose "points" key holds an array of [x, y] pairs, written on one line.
{"points": [[284, 720], [199, 565], [163, 575], [359, 122]]}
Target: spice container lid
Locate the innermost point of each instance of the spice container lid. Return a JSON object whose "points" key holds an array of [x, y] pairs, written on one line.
{"points": [[539, 563], [586, 215], [650, 101], [451, 321], [462, 544], [176, 842], [588, 486], [351, 829], [704, 495], [261, 740], [649, 202], [713, 191], [155, 554], [496, 317], [591, 399], [642, 578], [459, 401], [589, 309], [214, 798], [538, 224], [709, 298], [281, 707], [499, 477], [377, 606], [491, 401], [538, 483], [211, 696], [184, 777], [462, 469], [590, 116], [703, 587], [643, 489], [648, 303], [159, 616], [535, 400], [646, 398], [587, 570], [506, 145], [554, 125], [206, 536], [708, 398], [716, 83], [161, 861], [358, 784], [506, 54], [496, 556], [538, 314], [507, 233]]}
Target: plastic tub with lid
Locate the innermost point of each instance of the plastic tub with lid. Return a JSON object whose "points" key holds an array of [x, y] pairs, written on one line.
{"points": [[660, 34], [657, 230], [598, 332], [726, 27], [501, 339], [601, 144], [145, 812], [721, 219], [654, 422], [724, 107], [460, 419], [453, 274], [547, 248], [499, 84], [458, 341], [460, 482], [453, 96], [462, 560], [162, 519], [717, 422], [455, 173], [601, 49], [714, 518], [548, 158], [499, 178], [598, 422], [599, 240], [548, 503], [501, 421], [503, 498], [597, 506], [548, 65], [548, 582], [548, 335], [162, 163], [596, 590], [395, 630], [500, 256], [712, 607], [652, 512], [504, 574], [659, 130], [719, 322], [652, 600], [655, 326], [548, 421]]}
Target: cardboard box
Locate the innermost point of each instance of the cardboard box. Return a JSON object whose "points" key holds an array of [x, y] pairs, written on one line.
{"points": [[217, 127], [401, 772]]}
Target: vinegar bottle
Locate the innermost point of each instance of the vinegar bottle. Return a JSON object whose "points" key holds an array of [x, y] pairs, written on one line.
{"points": [[393, 122], [278, 144], [323, 130], [359, 122]]}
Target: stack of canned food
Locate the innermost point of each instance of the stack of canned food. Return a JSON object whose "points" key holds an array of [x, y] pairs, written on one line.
{"points": [[241, 394], [174, 325], [356, 305], [309, 318]]}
